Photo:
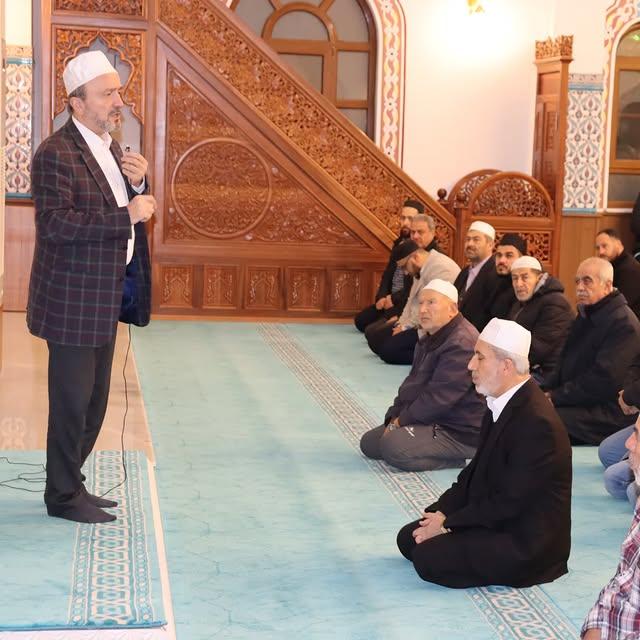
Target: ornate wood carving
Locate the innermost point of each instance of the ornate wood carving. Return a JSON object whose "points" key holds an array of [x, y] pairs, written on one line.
{"points": [[346, 290], [220, 287], [539, 243], [117, 7], [461, 192], [177, 286], [511, 194], [560, 47], [223, 187], [336, 145], [128, 44], [305, 289], [263, 288]]}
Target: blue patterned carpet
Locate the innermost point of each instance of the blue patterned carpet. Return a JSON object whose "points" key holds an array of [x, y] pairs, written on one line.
{"points": [[276, 526], [59, 575]]}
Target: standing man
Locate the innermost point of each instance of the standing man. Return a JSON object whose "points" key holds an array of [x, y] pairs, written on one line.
{"points": [[507, 518], [90, 267], [478, 281], [395, 284], [626, 270]]}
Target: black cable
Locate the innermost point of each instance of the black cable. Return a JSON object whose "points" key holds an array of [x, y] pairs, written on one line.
{"points": [[124, 418], [7, 484]]}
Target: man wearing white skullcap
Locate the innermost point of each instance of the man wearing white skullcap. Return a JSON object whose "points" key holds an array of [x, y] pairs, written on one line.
{"points": [[542, 308], [478, 281], [90, 269], [434, 421], [507, 518]]}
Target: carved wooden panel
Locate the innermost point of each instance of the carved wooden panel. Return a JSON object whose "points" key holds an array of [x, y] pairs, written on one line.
{"points": [[511, 194], [263, 289], [177, 286], [561, 46], [539, 243], [129, 45], [117, 7], [305, 289], [222, 186], [220, 287], [346, 290], [333, 143]]}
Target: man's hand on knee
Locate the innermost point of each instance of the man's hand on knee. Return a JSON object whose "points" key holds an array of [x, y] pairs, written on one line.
{"points": [[430, 527]]}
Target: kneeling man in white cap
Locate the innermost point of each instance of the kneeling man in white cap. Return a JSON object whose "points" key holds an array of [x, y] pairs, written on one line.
{"points": [[507, 518], [434, 422]]}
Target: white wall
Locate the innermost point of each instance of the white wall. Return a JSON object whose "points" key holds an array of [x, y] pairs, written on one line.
{"points": [[17, 22], [470, 96]]}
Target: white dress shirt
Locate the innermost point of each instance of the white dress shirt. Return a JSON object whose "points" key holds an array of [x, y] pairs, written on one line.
{"points": [[100, 148], [473, 272], [498, 404]]}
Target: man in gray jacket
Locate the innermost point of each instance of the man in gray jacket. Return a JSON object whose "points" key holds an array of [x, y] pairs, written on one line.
{"points": [[434, 422]]}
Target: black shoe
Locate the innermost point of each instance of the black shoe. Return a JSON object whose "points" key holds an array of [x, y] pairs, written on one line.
{"points": [[80, 511], [98, 501]]}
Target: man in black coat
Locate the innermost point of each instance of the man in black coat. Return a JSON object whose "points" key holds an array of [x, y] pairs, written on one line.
{"points": [[477, 282], [603, 341], [395, 284], [542, 308], [507, 518], [509, 249], [626, 269]]}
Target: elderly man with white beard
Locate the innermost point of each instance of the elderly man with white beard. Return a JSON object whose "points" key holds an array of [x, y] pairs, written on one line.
{"points": [[507, 518], [616, 613]]}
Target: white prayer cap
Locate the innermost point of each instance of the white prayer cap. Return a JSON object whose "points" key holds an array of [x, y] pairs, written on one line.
{"points": [[508, 336], [85, 67], [526, 262], [443, 287], [483, 227]]}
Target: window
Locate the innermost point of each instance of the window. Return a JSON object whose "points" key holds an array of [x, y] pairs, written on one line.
{"points": [[329, 43], [624, 167]]}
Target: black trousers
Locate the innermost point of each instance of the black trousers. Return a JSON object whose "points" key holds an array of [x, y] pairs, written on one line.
{"points": [[591, 425], [79, 379]]}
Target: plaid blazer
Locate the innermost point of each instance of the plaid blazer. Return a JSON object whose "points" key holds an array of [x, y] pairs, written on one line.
{"points": [[79, 261]]}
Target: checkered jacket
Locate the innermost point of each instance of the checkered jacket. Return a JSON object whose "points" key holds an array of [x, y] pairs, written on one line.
{"points": [[79, 261]]}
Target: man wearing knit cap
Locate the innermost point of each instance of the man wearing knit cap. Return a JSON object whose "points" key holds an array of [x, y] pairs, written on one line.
{"points": [[434, 421], [477, 282], [90, 268], [507, 518], [510, 247], [542, 308]]}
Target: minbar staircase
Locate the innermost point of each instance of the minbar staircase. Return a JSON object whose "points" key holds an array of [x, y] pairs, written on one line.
{"points": [[273, 203]]}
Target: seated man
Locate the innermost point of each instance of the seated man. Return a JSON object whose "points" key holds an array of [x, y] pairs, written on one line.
{"points": [[542, 308], [395, 284], [507, 518], [396, 346], [435, 419], [626, 269], [616, 613], [603, 341], [478, 281], [509, 249]]}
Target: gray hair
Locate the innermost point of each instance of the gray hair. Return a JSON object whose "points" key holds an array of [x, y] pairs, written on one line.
{"points": [[603, 267], [520, 362], [423, 217], [78, 92]]}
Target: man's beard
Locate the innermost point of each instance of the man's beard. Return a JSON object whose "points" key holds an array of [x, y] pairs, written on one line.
{"points": [[404, 232], [107, 126]]}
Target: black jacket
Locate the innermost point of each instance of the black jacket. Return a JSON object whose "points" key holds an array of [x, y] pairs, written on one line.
{"points": [[603, 341], [626, 278], [516, 490], [548, 315], [475, 303], [503, 297], [438, 389]]}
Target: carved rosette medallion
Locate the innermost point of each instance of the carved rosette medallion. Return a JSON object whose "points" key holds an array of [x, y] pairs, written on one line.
{"points": [[221, 188], [116, 7], [128, 44]]}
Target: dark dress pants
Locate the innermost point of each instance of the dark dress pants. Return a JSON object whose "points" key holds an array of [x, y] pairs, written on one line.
{"points": [[368, 316], [79, 379], [399, 349], [591, 425]]}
